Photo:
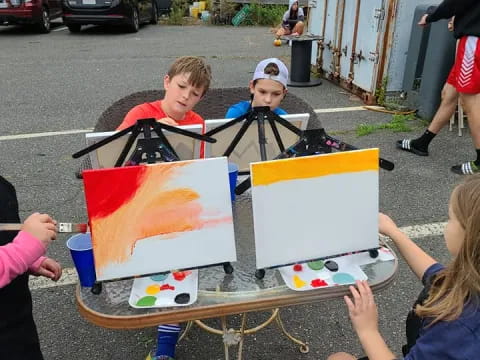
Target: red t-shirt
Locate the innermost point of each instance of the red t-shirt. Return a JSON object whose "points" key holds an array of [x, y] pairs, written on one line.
{"points": [[154, 110]]}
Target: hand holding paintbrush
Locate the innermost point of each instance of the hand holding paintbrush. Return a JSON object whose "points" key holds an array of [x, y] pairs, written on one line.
{"points": [[61, 227], [42, 227]]}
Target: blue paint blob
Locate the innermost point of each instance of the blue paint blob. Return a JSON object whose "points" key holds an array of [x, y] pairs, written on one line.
{"points": [[343, 278], [159, 277]]}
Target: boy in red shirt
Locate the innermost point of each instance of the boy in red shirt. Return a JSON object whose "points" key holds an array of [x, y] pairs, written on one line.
{"points": [[185, 84]]}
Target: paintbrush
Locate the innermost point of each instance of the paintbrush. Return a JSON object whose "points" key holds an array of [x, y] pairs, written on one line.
{"points": [[62, 227]]}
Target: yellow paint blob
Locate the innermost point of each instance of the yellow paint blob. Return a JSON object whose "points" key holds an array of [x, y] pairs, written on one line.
{"points": [[299, 283], [153, 289]]}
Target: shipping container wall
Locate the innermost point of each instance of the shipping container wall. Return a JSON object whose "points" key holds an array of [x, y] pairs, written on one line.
{"points": [[401, 38], [364, 41]]}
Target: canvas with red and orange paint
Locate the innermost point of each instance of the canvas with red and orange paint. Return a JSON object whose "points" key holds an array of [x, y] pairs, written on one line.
{"points": [[153, 218], [316, 206]]}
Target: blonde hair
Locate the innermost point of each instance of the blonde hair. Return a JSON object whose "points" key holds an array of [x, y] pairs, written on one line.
{"points": [[459, 282], [200, 72]]}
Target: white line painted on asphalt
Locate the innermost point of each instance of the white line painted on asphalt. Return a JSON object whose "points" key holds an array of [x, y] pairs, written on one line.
{"points": [[44, 134], [60, 29], [70, 132], [344, 109], [69, 275]]}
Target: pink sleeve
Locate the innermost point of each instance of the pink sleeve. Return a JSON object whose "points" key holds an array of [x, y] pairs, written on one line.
{"points": [[17, 256]]}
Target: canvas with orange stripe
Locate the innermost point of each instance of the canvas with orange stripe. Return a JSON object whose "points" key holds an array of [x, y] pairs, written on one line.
{"points": [[316, 206]]}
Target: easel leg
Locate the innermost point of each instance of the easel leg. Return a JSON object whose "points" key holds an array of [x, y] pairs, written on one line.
{"points": [[303, 346]]}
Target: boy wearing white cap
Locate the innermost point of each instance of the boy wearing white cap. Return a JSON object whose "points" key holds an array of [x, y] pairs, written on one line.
{"points": [[268, 87]]}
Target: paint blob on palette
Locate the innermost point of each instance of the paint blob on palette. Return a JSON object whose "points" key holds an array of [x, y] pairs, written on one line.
{"points": [[165, 290], [344, 270]]}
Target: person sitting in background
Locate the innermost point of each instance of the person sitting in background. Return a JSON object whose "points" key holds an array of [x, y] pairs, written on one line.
{"points": [[292, 22]]}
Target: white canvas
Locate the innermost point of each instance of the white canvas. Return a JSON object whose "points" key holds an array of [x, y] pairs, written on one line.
{"points": [[298, 219], [248, 150], [106, 156], [207, 238]]}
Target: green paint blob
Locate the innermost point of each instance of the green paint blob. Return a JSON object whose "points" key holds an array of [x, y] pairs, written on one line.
{"points": [[343, 278], [316, 265], [159, 277], [146, 301]]}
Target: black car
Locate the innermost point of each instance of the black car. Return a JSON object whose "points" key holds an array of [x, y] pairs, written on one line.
{"points": [[105, 12]]}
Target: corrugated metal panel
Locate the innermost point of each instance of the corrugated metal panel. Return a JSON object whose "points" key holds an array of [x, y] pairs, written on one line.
{"points": [[352, 32], [401, 38], [364, 41]]}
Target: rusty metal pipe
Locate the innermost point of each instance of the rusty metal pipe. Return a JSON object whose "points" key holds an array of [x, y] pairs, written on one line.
{"points": [[351, 73], [321, 43], [338, 52]]}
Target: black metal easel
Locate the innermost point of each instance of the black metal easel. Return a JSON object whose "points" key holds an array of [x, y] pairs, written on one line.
{"points": [[149, 150]]}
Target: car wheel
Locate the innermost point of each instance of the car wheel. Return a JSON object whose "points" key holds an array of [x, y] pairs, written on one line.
{"points": [[134, 22], [44, 24], [154, 19], [74, 28]]}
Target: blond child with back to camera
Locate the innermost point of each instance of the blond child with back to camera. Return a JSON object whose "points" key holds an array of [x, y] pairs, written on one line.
{"points": [[444, 322]]}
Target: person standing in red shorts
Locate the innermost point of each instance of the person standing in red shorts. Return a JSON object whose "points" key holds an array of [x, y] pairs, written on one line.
{"points": [[464, 76]]}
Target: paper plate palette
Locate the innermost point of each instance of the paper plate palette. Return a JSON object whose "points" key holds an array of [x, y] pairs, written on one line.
{"points": [[316, 274], [165, 290]]}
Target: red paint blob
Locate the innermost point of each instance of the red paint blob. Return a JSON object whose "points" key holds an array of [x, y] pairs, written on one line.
{"points": [[297, 267], [167, 287], [318, 283], [107, 190], [181, 275]]}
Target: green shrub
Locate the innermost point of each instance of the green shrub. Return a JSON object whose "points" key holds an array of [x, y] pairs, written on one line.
{"points": [[179, 9], [270, 15]]}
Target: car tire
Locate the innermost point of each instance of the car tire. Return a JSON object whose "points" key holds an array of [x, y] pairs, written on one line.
{"points": [[134, 21], [154, 19], [44, 24], [74, 28]]}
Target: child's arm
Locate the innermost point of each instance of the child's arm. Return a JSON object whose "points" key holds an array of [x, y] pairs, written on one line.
{"points": [[17, 256], [416, 258], [364, 316]]}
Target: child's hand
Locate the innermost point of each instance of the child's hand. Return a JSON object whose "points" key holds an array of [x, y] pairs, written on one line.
{"points": [[386, 225], [362, 310], [49, 268], [41, 226], [168, 121]]}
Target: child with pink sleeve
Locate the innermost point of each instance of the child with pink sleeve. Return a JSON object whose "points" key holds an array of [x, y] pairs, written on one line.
{"points": [[21, 254]]}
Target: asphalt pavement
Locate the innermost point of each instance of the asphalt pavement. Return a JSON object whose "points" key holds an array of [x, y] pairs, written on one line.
{"points": [[62, 82]]}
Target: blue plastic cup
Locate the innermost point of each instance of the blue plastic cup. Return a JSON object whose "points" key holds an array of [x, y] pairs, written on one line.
{"points": [[232, 175], [80, 246]]}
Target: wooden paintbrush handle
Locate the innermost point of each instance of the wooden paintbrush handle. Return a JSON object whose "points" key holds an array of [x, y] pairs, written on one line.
{"points": [[10, 227]]}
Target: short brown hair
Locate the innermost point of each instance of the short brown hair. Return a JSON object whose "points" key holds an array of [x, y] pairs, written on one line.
{"points": [[200, 72]]}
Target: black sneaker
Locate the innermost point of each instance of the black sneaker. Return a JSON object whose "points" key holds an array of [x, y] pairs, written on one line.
{"points": [[407, 145], [468, 168]]}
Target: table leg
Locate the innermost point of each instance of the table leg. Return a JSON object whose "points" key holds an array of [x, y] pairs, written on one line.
{"points": [[236, 337], [304, 349], [187, 329]]}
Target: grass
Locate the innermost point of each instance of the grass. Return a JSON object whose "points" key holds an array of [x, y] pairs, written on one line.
{"points": [[398, 123]]}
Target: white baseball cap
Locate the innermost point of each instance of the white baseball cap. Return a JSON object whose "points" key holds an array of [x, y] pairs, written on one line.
{"points": [[282, 76]]}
